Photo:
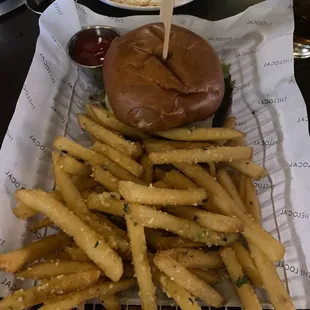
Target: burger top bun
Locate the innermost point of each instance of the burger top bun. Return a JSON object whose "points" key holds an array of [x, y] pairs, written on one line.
{"points": [[151, 94]]}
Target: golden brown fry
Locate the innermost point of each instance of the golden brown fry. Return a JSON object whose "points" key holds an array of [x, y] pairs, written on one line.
{"points": [[100, 289], [94, 246], [153, 145], [72, 166], [229, 123], [213, 154], [152, 218], [141, 264], [248, 168], [176, 272], [195, 258], [22, 299], [212, 169], [276, 291], [252, 202], [148, 169], [13, 261], [111, 302], [178, 180], [107, 119], [201, 134], [272, 248], [240, 281], [247, 263], [119, 158], [107, 136], [41, 224], [160, 196], [85, 183], [51, 269], [76, 254], [161, 240], [211, 277], [105, 178]]}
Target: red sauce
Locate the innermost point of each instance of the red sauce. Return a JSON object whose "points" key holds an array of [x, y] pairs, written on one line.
{"points": [[90, 47]]}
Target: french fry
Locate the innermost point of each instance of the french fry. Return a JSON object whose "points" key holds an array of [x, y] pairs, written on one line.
{"points": [[84, 183], [271, 247], [212, 169], [211, 277], [248, 168], [22, 299], [72, 166], [242, 187], [41, 224], [195, 258], [119, 158], [214, 154], [240, 280], [189, 281], [159, 240], [276, 291], [252, 202], [94, 246], [161, 184], [51, 269], [100, 289], [173, 290], [148, 169], [107, 119], [111, 302], [247, 263], [13, 261], [141, 264], [212, 221], [153, 145], [201, 134], [76, 254], [178, 180], [159, 174], [136, 193], [152, 218], [128, 148], [105, 178], [229, 123], [225, 180]]}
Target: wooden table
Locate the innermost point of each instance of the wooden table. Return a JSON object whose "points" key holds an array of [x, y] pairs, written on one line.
{"points": [[19, 31]]}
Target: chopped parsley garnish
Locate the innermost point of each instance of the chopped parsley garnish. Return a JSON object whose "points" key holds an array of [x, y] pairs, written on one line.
{"points": [[191, 300], [226, 70], [242, 280], [126, 208], [96, 244]]}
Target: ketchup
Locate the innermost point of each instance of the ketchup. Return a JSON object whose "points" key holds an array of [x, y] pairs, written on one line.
{"points": [[90, 47]]}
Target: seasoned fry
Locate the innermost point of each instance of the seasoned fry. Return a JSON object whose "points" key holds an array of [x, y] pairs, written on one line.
{"points": [[111, 302], [216, 222], [148, 169], [72, 166], [60, 285], [141, 264], [128, 148], [276, 291], [229, 123], [195, 258], [13, 261], [211, 277], [271, 247], [152, 218], [76, 254], [201, 134], [252, 202], [107, 119], [213, 154], [189, 281], [178, 180], [212, 169], [41, 224], [95, 247], [153, 145], [105, 178], [160, 196], [160, 240], [247, 263], [46, 270], [248, 168], [225, 180], [119, 158], [240, 280], [242, 187], [84, 184], [173, 290], [100, 289]]}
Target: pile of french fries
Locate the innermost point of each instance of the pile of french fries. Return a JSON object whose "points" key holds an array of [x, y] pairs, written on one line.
{"points": [[178, 205]]}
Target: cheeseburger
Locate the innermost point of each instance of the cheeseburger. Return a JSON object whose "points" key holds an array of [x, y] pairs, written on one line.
{"points": [[152, 94]]}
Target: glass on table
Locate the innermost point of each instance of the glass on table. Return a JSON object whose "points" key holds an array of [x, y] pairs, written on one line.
{"points": [[302, 28], [38, 6]]}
